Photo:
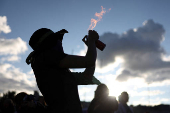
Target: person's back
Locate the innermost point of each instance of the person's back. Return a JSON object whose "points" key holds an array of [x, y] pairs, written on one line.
{"points": [[19, 100], [102, 103], [59, 86]]}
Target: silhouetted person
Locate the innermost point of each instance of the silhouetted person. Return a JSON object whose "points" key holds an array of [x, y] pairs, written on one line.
{"points": [[28, 104], [51, 66], [102, 103], [123, 107], [19, 101], [8, 106]]}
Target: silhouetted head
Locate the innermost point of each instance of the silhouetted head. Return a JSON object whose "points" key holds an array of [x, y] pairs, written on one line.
{"points": [[45, 38], [19, 99], [101, 91], [25, 103], [8, 106], [124, 97]]}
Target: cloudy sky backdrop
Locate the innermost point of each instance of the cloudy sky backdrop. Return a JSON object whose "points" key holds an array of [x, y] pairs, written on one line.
{"points": [[136, 33]]}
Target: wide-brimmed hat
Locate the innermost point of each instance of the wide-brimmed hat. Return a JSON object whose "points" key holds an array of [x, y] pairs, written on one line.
{"points": [[44, 35]]}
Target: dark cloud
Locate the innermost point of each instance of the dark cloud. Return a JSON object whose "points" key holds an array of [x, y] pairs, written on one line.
{"points": [[140, 48], [124, 75]]}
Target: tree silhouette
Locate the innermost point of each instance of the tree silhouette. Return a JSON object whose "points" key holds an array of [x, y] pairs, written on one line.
{"points": [[9, 94]]}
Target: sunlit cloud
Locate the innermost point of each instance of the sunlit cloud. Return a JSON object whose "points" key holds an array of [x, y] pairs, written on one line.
{"points": [[11, 72], [141, 53], [109, 67], [135, 29], [84, 90], [165, 58], [160, 83], [131, 86], [141, 50], [86, 98], [13, 78], [12, 46], [3, 25], [10, 58], [150, 102], [145, 93], [30, 72]]}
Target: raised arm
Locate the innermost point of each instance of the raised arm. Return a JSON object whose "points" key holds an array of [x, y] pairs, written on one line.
{"points": [[73, 61]]}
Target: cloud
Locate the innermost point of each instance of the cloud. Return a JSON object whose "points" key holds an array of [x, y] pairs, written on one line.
{"points": [[152, 102], [141, 51], [110, 66], [30, 72], [86, 93], [12, 78], [145, 93], [84, 90], [10, 58], [3, 25], [12, 46]]}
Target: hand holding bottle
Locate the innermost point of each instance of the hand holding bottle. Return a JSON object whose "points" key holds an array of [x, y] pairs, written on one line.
{"points": [[93, 35]]}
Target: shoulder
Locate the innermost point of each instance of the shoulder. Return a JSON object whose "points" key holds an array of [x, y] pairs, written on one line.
{"points": [[50, 56]]}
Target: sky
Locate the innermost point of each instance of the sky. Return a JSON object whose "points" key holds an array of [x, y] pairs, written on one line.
{"points": [[136, 33]]}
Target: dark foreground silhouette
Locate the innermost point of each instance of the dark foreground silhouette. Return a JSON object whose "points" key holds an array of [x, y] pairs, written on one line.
{"points": [[10, 105], [51, 66]]}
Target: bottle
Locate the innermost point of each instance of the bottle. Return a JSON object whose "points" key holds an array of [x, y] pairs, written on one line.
{"points": [[99, 44]]}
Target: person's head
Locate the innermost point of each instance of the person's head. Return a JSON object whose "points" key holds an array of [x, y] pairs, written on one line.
{"points": [[19, 98], [101, 91], [25, 103], [124, 97], [8, 106], [45, 38]]}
